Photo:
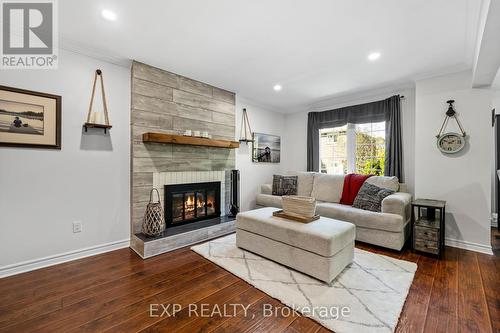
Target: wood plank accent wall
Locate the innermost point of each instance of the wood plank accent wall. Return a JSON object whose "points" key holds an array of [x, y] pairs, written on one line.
{"points": [[165, 102]]}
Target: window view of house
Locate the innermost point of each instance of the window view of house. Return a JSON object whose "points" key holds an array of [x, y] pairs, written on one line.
{"points": [[333, 150], [358, 148]]}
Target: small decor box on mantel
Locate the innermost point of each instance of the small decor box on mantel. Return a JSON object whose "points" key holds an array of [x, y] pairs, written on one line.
{"points": [[428, 229]]}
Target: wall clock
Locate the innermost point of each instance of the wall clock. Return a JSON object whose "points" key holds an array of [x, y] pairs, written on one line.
{"points": [[450, 142]]}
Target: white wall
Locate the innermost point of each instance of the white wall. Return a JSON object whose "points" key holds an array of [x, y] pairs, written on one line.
{"points": [[43, 191], [462, 179], [295, 152], [294, 156], [253, 175]]}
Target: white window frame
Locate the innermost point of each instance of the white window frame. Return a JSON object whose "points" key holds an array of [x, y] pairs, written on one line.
{"points": [[350, 148]]}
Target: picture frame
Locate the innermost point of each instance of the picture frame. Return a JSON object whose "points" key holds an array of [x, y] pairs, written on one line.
{"points": [[266, 148], [29, 119]]}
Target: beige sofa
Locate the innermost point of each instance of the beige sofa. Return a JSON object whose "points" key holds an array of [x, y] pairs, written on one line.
{"points": [[389, 228]]}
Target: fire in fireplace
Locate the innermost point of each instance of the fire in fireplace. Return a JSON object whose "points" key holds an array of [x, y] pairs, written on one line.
{"points": [[187, 203]]}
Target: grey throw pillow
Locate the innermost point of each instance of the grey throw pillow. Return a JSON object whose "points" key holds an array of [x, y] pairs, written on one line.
{"points": [[370, 197], [284, 185]]}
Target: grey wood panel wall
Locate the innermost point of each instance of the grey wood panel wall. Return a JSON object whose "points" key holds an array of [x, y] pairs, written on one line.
{"points": [[165, 102]]}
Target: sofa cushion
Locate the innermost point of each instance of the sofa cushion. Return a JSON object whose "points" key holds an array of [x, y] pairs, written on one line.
{"points": [[403, 188], [327, 187], [390, 183], [284, 185], [268, 200], [352, 184], [266, 189], [305, 182], [360, 217], [325, 236], [370, 197]]}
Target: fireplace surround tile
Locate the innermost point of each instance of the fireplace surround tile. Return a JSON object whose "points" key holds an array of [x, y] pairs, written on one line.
{"points": [[169, 103]]}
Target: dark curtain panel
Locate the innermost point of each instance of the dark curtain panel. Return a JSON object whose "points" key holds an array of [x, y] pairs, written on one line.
{"points": [[388, 110], [393, 140]]}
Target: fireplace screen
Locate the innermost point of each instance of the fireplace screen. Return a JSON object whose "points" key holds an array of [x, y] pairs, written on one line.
{"points": [[186, 203]]}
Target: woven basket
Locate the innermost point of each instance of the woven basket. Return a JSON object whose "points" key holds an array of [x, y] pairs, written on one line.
{"points": [[153, 223], [298, 205]]}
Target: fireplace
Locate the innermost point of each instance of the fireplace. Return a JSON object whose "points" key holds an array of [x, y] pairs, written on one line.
{"points": [[187, 203]]}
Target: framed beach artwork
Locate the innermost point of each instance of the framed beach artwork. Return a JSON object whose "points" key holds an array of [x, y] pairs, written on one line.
{"points": [[29, 119], [266, 148]]}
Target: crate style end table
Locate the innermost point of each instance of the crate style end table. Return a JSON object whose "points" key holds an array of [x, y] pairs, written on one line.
{"points": [[427, 226]]}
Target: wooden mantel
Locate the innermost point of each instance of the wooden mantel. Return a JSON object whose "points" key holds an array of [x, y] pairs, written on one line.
{"points": [[187, 140]]}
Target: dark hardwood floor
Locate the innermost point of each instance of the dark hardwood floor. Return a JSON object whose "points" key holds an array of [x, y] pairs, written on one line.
{"points": [[113, 292]]}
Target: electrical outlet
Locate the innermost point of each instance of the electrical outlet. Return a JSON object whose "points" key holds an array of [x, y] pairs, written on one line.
{"points": [[77, 226]]}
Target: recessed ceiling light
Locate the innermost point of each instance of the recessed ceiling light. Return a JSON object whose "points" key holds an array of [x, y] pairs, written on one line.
{"points": [[374, 56], [277, 87], [108, 15]]}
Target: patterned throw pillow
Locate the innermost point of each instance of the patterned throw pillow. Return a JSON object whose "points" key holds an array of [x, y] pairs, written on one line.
{"points": [[284, 185], [370, 197]]}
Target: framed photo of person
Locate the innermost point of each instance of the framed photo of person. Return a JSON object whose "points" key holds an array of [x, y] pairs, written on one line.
{"points": [[29, 119], [266, 148]]}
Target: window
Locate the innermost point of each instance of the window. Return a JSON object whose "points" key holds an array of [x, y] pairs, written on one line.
{"points": [[358, 148], [333, 154]]}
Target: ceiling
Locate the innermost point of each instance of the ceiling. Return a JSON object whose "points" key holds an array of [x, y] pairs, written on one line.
{"points": [[316, 49]]}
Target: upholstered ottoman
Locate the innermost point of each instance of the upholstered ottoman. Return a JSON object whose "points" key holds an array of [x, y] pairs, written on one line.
{"points": [[321, 249]]}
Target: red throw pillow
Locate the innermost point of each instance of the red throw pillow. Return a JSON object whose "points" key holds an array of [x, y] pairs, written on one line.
{"points": [[352, 184]]}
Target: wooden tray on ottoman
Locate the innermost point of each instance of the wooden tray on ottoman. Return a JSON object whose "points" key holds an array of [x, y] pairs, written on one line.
{"points": [[295, 217]]}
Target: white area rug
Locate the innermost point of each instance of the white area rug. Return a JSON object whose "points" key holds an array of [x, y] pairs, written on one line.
{"points": [[374, 287]]}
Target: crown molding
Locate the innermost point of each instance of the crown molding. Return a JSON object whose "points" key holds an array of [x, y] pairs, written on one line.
{"points": [[74, 47], [453, 69], [242, 99]]}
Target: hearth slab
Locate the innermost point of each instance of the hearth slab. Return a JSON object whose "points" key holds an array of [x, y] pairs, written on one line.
{"points": [[181, 236]]}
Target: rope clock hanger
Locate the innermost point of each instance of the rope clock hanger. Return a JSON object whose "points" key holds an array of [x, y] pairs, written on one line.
{"points": [[451, 142], [94, 118]]}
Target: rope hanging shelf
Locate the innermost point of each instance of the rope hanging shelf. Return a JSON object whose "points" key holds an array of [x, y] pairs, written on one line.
{"points": [[92, 122], [246, 134]]}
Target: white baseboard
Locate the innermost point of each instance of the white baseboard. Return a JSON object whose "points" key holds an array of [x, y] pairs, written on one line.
{"points": [[461, 244], [31, 265]]}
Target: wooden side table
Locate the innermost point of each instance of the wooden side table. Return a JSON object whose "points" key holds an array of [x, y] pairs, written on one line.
{"points": [[428, 229]]}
